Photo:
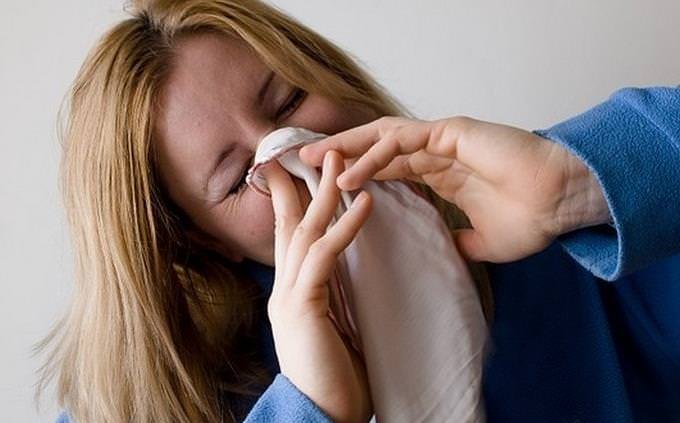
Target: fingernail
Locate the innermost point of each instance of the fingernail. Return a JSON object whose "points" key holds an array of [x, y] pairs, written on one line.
{"points": [[341, 180], [327, 159]]}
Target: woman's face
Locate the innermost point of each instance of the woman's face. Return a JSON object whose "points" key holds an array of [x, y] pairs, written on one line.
{"points": [[219, 100]]}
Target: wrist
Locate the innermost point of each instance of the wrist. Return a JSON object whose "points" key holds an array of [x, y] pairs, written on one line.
{"points": [[583, 203]]}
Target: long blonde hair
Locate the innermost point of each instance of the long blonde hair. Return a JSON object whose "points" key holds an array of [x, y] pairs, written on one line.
{"points": [[156, 326]]}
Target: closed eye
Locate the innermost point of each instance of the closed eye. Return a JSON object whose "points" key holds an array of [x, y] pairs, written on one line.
{"points": [[287, 109], [240, 184], [293, 102]]}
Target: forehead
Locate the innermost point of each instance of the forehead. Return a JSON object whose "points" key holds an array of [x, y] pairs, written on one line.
{"points": [[210, 76], [206, 96]]}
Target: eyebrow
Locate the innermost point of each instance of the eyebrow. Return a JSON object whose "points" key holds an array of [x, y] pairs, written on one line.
{"points": [[261, 94]]}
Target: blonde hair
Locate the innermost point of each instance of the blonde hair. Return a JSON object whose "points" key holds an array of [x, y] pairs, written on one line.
{"points": [[156, 328]]}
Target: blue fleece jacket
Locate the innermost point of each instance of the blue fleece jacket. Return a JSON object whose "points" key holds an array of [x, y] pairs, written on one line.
{"points": [[589, 329]]}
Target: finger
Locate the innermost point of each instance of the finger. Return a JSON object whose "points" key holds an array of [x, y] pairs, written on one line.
{"points": [[287, 210], [413, 166], [320, 262], [350, 143], [322, 208], [470, 244], [422, 162], [404, 140], [319, 214]]}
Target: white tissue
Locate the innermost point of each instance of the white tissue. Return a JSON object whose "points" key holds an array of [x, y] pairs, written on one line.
{"points": [[403, 295]]}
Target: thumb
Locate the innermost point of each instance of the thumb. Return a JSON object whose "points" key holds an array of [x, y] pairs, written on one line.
{"points": [[277, 179], [470, 244]]}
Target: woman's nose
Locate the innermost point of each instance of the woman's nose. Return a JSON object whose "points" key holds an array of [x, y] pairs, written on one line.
{"points": [[258, 135]]}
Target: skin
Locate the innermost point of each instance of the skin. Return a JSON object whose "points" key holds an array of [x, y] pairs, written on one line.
{"points": [[208, 106], [519, 190], [310, 351]]}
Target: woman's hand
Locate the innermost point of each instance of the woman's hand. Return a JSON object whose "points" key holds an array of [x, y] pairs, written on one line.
{"points": [[310, 350], [520, 191]]}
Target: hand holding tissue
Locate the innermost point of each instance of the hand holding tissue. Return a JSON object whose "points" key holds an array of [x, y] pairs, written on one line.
{"points": [[402, 294]]}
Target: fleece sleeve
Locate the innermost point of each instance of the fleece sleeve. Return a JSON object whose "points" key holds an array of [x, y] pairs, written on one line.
{"points": [[63, 418], [632, 144], [283, 402]]}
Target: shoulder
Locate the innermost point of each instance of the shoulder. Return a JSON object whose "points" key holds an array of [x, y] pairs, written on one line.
{"points": [[63, 418]]}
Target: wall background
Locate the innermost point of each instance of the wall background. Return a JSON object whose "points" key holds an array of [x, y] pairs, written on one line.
{"points": [[528, 63]]}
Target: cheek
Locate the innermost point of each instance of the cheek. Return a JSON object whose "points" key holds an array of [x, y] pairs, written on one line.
{"points": [[247, 222], [244, 224], [247, 225], [254, 215]]}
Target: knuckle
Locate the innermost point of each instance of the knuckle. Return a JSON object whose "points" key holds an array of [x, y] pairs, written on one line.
{"points": [[307, 228], [301, 229], [408, 167], [279, 308], [286, 219], [376, 163], [462, 122], [319, 248], [386, 122], [391, 134], [385, 119], [273, 308]]}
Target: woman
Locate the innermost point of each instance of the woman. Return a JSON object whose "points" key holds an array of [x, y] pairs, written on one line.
{"points": [[164, 118], [166, 323]]}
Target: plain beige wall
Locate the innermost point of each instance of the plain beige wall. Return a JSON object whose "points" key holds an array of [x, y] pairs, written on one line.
{"points": [[524, 62]]}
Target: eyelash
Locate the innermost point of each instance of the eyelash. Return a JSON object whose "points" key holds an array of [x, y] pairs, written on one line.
{"points": [[297, 98], [240, 184], [298, 95]]}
